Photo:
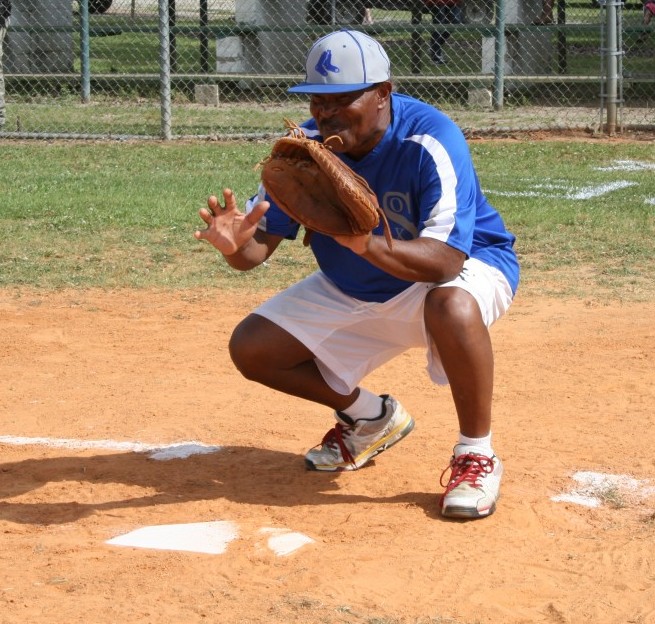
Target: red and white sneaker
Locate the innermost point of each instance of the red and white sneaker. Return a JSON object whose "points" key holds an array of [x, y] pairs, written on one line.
{"points": [[474, 484]]}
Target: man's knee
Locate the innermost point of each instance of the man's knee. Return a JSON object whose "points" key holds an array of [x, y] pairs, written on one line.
{"points": [[258, 347], [451, 307], [248, 345]]}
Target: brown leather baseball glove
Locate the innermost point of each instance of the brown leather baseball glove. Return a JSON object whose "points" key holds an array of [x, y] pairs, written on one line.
{"points": [[318, 190]]}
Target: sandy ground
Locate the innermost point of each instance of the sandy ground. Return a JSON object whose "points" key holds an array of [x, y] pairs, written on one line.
{"points": [[575, 393]]}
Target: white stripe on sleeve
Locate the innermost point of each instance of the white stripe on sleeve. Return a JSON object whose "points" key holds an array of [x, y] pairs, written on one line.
{"points": [[442, 216]]}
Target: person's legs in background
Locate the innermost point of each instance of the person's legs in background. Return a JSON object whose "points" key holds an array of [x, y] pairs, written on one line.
{"points": [[649, 11], [442, 14], [546, 16]]}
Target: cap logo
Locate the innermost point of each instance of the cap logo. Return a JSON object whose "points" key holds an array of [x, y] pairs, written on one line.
{"points": [[324, 64]]}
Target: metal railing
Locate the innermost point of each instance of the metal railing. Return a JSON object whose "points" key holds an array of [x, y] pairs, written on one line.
{"points": [[165, 69]]}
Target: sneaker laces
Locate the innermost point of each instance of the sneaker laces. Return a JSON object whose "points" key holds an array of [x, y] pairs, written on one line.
{"points": [[467, 468], [334, 439]]}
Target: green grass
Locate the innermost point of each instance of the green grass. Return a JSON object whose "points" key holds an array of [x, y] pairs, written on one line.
{"points": [[135, 116], [114, 214], [606, 241]]}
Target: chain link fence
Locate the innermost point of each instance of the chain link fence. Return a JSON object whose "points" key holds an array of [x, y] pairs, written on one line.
{"points": [[220, 68]]}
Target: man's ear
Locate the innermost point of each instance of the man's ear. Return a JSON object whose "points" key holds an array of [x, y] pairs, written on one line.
{"points": [[384, 92]]}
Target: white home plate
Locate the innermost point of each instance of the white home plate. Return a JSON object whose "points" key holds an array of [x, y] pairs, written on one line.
{"points": [[202, 537], [283, 542], [211, 538]]}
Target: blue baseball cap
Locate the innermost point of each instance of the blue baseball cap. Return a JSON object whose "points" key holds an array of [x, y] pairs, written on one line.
{"points": [[346, 60]]}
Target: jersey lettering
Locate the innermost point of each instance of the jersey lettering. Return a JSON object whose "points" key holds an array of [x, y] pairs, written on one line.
{"points": [[396, 207]]}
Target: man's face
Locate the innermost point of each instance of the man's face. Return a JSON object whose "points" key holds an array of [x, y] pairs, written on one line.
{"points": [[358, 118]]}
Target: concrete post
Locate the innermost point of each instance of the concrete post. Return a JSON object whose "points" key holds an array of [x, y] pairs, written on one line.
{"points": [[40, 40], [527, 52], [274, 52]]}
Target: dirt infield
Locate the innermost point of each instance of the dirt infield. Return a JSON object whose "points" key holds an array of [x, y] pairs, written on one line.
{"points": [[575, 394]]}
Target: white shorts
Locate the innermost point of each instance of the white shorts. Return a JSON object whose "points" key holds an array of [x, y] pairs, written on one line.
{"points": [[350, 338]]}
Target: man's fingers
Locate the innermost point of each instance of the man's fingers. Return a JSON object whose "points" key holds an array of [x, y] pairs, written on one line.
{"points": [[230, 199], [213, 216], [206, 215], [212, 204], [258, 211]]}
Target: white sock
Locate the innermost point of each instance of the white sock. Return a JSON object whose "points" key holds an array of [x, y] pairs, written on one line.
{"points": [[483, 443], [367, 405]]}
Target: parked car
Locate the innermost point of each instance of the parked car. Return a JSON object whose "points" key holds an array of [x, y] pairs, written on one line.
{"points": [[99, 6]]}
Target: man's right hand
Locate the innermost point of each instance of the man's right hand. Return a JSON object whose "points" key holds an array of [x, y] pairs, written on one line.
{"points": [[228, 229]]}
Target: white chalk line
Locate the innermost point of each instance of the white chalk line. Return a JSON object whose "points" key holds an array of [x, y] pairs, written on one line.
{"points": [[584, 193], [162, 452], [627, 165], [595, 488]]}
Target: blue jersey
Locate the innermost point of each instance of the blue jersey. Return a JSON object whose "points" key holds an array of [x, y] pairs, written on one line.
{"points": [[424, 179]]}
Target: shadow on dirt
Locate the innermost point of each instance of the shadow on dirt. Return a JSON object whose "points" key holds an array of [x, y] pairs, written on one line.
{"points": [[247, 475]]}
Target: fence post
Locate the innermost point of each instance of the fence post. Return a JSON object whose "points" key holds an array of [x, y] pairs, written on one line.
{"points": [[165, 69], [204, 38], [612, 52], [499, 56], [561, 38], [85, 57]]}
